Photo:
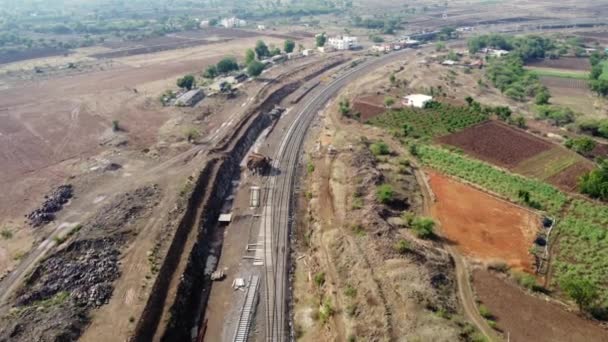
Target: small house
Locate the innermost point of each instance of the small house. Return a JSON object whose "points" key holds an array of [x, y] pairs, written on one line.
{"points": [[416, 100], [190, 98]]}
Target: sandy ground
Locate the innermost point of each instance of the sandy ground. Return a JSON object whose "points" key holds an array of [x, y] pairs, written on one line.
{"points": [[529, 318], [499, 231]]}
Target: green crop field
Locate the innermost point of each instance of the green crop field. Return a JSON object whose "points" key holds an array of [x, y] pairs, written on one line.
{"points": [[579, 75], [429, 122], [583, 245]]}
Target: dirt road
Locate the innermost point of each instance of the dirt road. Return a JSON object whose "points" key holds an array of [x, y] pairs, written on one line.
{"points": [[465, 293]]}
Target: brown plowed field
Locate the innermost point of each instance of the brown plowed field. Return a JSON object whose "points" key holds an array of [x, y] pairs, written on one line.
{"points": [[563, 82], [497, 143], [528, 318], [369, 107], [566, 63], [568, 179], [483, 226]]}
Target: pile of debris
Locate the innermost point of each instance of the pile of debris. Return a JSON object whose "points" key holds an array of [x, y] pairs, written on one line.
{"points": [[55, 301], [52, 204]]}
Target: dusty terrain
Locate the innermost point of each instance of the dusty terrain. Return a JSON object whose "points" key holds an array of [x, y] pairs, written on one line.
{"points": [[500, 231], [535, 319]]}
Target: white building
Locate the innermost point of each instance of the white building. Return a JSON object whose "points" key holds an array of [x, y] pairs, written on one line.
{"points": [[204, 24], [416, 100], [343, 42], [261, 27], [232, 22]]}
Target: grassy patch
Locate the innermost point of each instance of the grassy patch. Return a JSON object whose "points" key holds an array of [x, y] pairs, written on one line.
{"points": [[547, 164], [320, 279], [578, 75], [385, 193], [6, 234]]}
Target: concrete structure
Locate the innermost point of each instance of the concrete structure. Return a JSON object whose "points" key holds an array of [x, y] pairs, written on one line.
{"points": [[416, 100], [448, 62], [495, 53], [307, 52], [326, 49], [343, 42], [232, 22], [190, 98], [261, 27], [204, 24]]}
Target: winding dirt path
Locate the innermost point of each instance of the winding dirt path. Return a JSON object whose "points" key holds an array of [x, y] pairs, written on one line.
{"points": [[465, 292]]}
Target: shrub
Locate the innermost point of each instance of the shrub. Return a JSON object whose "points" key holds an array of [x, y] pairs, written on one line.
{"points": [[403, 246], [385, 193], [582, 145], [326, 311], [320, 279], [424, 227], [379, 148], [498, 266], [485, 312], [191, 134], [350, 291], [310, 167], [580, 289], [357, 202], [210, 72], [6, 234], [115, 126]]}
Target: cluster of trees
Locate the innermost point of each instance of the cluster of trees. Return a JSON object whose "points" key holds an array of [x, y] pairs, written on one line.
{"points": [[559, 116], [595, 127], [582, 145], [387, 26], [595, 183], [222, 67], [598, 78], [526, 47], [508, 74]]}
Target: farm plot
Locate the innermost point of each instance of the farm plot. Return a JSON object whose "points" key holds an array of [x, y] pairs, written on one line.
{"points": [[573, 93], [566, 63], [483, 226], [488, 177], [529, 318], [568, 178], [583, 245], [497, 143], [521, 152], [429, 122]]}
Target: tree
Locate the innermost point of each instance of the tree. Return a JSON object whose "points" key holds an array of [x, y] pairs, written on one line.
{"points": [[580, 289], [469, 100], [582, 145], [289, 46], [249, 56], [320, 39], [261, 50], [275, 51], [595, 183], [255, 68], [187, 82], [542, 98], [379, 149], [440, 46], [227, 65]]}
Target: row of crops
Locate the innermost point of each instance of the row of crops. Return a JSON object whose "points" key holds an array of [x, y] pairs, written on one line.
{"points": [[491, 178], [438, 120], [583, 245], [583, 240]]}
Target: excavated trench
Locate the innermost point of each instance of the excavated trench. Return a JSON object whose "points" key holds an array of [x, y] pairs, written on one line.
{"points": [[214, 184]]}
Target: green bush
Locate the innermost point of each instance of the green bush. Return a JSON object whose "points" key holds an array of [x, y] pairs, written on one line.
{"points": [[485, 312], [6, 234], [402, 246], [326, 311], [385, 193], [424, 227], [379, 148], [320, 279], [350, 291]]}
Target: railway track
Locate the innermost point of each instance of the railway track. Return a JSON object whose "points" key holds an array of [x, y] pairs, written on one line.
{"points": [[280, 197]]}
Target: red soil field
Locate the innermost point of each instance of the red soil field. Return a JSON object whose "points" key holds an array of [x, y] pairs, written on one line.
{"points": [[566, 63], [369, 106], [529, 318], [497, 143], [483, 226], [568, 179]]}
